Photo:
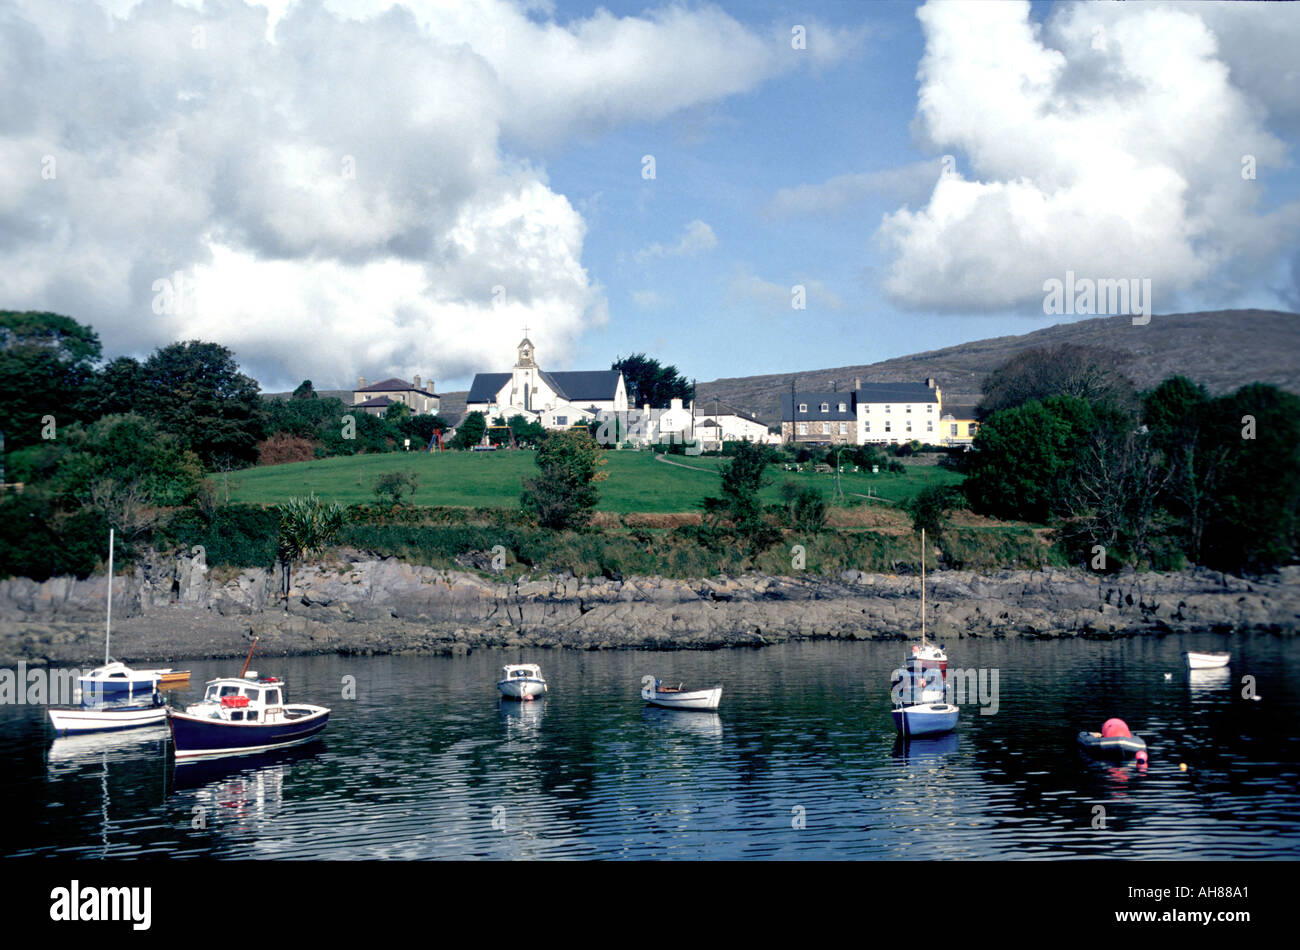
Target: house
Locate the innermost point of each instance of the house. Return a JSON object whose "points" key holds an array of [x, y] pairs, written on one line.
{"points": [[555, 400], [958, 425], [376, 398], [874, 413], [729, 424]]}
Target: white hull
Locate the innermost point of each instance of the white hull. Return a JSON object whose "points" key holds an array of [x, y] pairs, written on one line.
{"points": [[71, 721], [522, 689], [925, 719], [707, 699], [1206, 661]]}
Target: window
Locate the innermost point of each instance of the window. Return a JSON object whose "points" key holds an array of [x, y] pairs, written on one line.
{"points": [[803, 428], [826, 407], [886, 425], [929, 426], [929, 407], [843, 408], [272, 697], [844, 428], [909, 425], [561, 420], [953, 429], [970, 427], [252, 714], [886, 409], [866, 425], [237, 715], [909, 410], [803, 407]]}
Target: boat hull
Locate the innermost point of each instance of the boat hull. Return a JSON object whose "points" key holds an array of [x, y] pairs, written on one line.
{"points": [[925, 719], [1206, 661], [197, 736], [79, 721], [696, 699], [522, 689], [137, 685], [1110, 747]]}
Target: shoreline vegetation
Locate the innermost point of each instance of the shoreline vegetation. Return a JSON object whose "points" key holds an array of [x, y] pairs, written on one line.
{"points": [[352, 603]]}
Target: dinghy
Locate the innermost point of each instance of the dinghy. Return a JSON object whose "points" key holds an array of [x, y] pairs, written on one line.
{"points": [[1206, 661], [522, 681], [109, 717], [1114, 741], [654, 692], [920, 688]]}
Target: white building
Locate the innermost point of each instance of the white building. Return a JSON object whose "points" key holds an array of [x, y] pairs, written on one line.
{"points": [[555, 400], [879, 413], [729, 424]]}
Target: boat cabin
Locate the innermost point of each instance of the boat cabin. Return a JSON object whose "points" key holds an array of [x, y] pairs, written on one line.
{"points": [[242, 700], [521, 671]]}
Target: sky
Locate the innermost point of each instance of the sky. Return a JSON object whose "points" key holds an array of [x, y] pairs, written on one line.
{"points": [[344, 188]]}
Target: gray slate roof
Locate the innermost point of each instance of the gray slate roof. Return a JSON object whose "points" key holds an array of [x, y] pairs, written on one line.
{"points": [[573, 386], [868, 393]]}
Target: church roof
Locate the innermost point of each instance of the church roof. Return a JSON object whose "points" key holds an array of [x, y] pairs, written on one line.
{"points": [[584, 384], [486, 386]]}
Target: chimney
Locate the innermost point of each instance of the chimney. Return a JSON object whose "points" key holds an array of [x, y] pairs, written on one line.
{"points": [[417, 383], [857, 382], [930, 382], [675, 403], [361, 382]]}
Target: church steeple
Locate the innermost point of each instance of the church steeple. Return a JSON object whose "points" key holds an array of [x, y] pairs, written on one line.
{"points": [[527, 354]]}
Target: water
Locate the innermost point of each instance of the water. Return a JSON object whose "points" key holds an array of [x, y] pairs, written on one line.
{"points": [[427, 763]]}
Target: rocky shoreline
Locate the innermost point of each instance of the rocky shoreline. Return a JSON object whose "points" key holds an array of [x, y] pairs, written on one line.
{"points": [[173, 609]]}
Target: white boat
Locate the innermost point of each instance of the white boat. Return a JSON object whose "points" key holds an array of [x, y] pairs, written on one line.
{"points": [[522, 681], [109, 717], [1206, 661], [920, 686], [654, 692]]}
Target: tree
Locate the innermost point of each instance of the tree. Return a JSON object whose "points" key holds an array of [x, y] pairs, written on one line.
{"points": [[648, 382], [804, 507], [470, 431], [931, 506], [196, 391], [307, 526], [46, 370], [564, 494], [1021, 455], [743, 477], [305, 390], [1180, 416], [1084, 372], [396, 484]]}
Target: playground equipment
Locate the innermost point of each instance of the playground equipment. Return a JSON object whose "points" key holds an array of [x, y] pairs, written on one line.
{"points": [[508, 434], [436, 442]]}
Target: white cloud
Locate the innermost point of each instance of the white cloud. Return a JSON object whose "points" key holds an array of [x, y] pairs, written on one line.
{"points": [[1108, 143], [342, 183], [697, 238]]}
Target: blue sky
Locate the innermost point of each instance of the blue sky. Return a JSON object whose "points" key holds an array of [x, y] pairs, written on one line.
{"points": [[336, 188]]}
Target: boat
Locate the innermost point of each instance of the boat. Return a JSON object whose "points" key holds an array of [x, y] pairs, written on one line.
{"points": [[1114, 741], [169, 678], [109, 716], [242, 715], [114, 679], [1206, 661], [920, 687], [522, 681], [654, 692]]}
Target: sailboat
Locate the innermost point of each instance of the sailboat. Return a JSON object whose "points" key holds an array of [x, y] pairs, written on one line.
{"points": [[113, 696], [920, 687]]}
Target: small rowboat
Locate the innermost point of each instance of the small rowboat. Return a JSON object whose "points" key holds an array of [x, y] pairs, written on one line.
{"points": [[654, 692], [108, 717], [925, 719], [1116, 747], [1206, 661]]}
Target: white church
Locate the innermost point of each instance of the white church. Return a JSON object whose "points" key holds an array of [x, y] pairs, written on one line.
{"points": [[555, 400]]}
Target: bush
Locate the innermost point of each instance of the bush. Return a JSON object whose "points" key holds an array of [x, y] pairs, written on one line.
{"points": [[283, 448]]}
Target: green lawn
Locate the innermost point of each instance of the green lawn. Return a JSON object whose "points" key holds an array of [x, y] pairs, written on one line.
{"points": [[636, 483]]}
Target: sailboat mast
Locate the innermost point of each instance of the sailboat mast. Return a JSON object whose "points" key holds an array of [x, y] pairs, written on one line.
{"points": [[108, 623], [922, 587]]}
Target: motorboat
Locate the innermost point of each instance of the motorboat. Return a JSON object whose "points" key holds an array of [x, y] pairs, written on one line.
{"points": [[242, 715], [1206, 661], [920, 688], [656, 693], [522, 681]]}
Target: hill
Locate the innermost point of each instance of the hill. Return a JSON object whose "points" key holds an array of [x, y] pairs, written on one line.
{"points": [[1222, 350]]}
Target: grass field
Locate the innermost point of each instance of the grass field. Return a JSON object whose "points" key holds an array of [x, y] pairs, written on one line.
{"points": [[636, 483]]}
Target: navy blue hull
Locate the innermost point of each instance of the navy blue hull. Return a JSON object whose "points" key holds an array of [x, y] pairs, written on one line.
{"points": [[194, 736]]}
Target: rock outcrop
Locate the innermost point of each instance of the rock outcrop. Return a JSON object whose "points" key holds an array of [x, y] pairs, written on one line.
{"points": [[170, 610]]}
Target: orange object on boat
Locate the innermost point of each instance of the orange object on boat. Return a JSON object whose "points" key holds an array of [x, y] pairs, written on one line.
{"points": [[234, 702], [1114, 727]]}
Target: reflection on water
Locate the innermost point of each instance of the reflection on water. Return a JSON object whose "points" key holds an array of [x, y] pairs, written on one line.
{"points": [[801, 761]]}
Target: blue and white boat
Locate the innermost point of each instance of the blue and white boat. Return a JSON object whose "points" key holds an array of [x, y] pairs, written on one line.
{"points": [[116, 680], [240, 715]]}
